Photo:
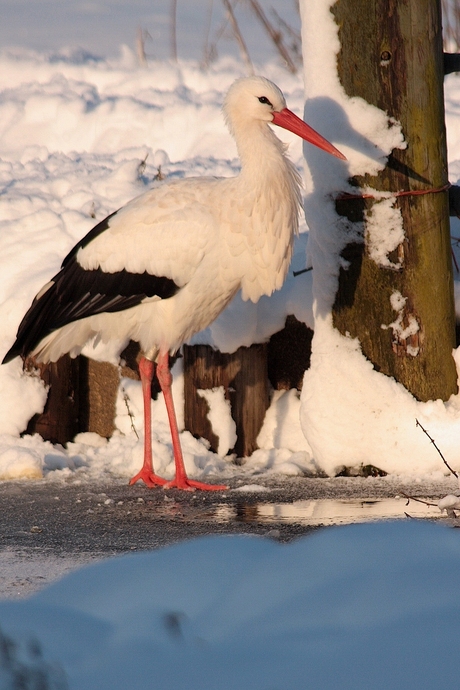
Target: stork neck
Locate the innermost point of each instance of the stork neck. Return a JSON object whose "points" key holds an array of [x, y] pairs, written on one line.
{"points": [[261, 154]]}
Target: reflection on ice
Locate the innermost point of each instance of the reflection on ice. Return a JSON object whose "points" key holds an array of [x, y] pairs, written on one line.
{"points": [[326, 511]]}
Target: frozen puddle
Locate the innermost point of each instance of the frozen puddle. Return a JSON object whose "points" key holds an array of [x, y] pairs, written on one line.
{"points": [[24, 571], [327, 511]]}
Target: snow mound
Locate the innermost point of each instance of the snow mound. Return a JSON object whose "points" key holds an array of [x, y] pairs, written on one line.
{"points": [[376, 606]]}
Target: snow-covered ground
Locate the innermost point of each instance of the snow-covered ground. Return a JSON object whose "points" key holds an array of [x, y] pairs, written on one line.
{"points": [[78, 138]]}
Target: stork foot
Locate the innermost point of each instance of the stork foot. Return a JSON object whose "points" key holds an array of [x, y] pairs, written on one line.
{"points": [[149, 478], [186, 484]]}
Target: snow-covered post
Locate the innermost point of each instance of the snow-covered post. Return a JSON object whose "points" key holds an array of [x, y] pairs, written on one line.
{"points": [[382, 276], [395, 289]]}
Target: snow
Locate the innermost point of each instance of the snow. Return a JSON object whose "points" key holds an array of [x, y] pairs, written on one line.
{"points": [[220, 417], [385, 232], [375, 606], [398, 303], [81, 135], [449, 502]]}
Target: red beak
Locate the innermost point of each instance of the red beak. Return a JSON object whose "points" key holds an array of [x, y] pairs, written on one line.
{"points": [[285, 118]]}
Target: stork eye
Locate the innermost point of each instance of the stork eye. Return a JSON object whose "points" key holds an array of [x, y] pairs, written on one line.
{"points": [[265, 101]]}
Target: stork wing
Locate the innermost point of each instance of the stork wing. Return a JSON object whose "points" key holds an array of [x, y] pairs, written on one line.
{"points": [[148, 249], [165, 232]]}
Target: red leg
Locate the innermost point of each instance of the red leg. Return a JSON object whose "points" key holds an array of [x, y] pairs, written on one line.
{"points": [[180, 481], [146, 369]]}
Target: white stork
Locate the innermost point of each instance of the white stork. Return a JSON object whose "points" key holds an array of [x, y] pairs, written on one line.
{"points": [[164, 266]]}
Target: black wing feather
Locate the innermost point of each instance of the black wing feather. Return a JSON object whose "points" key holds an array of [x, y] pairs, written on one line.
{"points": [[76, 293]]}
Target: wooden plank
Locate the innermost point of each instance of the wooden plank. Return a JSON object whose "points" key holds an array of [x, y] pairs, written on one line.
{"points": [[60, 419], [243, 374]]}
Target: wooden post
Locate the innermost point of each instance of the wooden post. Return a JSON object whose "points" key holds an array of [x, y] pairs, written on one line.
{"points": [[243, 375], [99, 382], [391, 55], [99, 386], [82, 395], [59, 421]]}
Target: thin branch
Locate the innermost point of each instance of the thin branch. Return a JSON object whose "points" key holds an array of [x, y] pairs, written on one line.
{"points": [[238, 36], [434, 444], [295, 35], [142, 36], [127, 401], [302, 270], [130, 412], [207, 50], [274, 35], [296, 39], [419, 500], [427, 503]]}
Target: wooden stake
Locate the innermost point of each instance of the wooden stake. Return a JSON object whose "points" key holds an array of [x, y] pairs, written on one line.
{"points": [[391, 56]]}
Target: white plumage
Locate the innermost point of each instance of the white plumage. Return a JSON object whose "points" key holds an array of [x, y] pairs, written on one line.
{"points": [[174, 257]]}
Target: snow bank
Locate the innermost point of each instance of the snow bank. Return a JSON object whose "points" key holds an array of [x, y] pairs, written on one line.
{"points": [[376, 606]]}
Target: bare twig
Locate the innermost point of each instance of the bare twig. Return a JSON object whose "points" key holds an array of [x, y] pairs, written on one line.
{"points": [[426, 503], [142, 165], [295, 35], [130, 412], [159, 174], [238, 36], [207, 50], [302, 270], [142, 35], [451, 25], [419, 500], [274, 35], [296, 39], [127, 401], [434, 444]]}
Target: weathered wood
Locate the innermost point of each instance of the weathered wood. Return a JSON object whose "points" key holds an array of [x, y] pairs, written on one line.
{"points": [[99, 387], [391, 55], [60, 420], [99, 383], [243, 375]]}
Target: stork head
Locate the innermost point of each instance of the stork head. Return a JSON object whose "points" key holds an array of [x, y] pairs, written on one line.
{"points": [[256, 99]]}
